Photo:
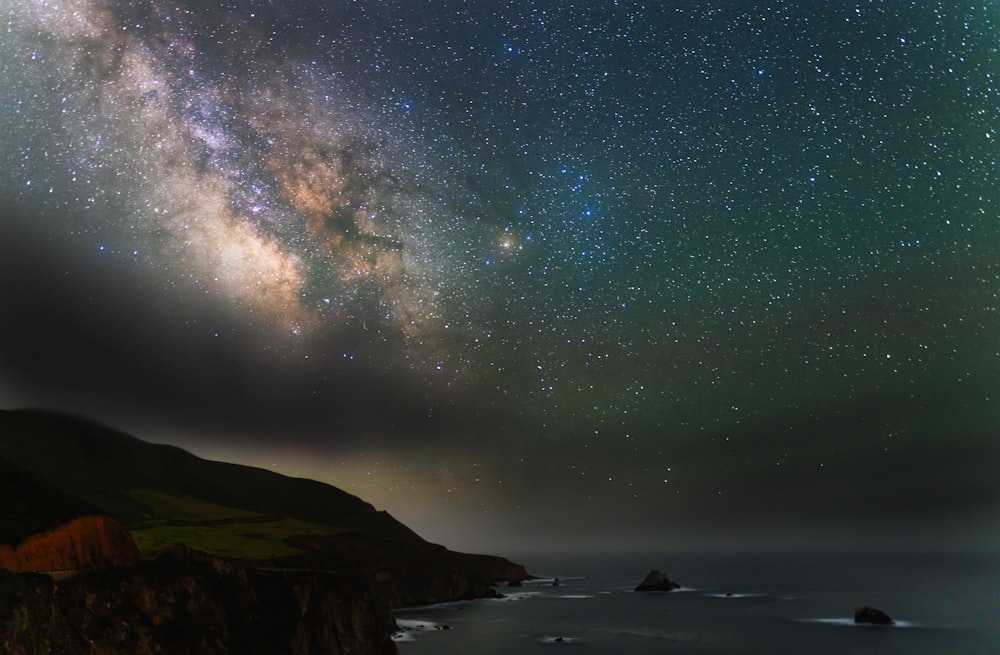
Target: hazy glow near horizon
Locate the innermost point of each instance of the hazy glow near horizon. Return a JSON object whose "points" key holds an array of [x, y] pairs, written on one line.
{"points": [[506, 264]]}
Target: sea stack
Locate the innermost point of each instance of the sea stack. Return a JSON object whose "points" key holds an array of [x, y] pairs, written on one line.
{"points": [[871, 615], [656, 581]]}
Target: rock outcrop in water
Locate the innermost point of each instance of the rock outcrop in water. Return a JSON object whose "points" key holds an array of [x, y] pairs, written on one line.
{"points": [[871, 615], [188, 603], [84, 543], [656, 581]]}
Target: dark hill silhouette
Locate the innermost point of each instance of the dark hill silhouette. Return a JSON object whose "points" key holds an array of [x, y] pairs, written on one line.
{"points": [[39, 506], [100, 465], [61, 477], [72, 464]]}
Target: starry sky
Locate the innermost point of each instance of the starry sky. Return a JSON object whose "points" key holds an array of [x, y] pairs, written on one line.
{"points": [[534, 272]]}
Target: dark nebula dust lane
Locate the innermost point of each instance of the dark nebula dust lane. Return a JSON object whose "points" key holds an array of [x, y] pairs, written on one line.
{"points": [[729, 264]]}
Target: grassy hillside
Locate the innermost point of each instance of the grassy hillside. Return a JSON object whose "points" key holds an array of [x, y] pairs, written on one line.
{"points": [[165, 494]]}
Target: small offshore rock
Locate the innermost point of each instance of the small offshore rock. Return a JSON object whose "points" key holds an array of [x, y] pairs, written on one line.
{"points": [[656, 581], [871, 615]]}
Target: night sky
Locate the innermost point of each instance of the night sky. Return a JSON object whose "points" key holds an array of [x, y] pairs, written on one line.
{"points": [[524, 273]]}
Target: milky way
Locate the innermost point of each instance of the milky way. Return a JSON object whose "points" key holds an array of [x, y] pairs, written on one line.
{"points": [[668, 257], [253, 182]]}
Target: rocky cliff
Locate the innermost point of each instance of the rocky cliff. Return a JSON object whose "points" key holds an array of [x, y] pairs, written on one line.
{"points": [[59, 473], [187, 603], [404, 574], [495, 569], [84, 543]]}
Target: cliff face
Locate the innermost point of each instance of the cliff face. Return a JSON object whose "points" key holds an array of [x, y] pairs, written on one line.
{"points": [[495, 569], [404, 574], [72, 473], [85, 543], [187, 603]]}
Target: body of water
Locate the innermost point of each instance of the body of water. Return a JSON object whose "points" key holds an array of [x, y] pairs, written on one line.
{"points": [[739, 605]]}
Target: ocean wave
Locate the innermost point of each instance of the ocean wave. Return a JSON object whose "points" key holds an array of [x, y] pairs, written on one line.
{"points": [[521, 595], [732, 594], [409, 627], [679, 590], [850, 622]]}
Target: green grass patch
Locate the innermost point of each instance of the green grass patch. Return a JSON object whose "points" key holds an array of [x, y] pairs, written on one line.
{"points": [[246, 541], [184, 508]]}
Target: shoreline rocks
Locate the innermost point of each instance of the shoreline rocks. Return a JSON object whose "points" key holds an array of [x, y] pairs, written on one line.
{"points": [[188, 602]]}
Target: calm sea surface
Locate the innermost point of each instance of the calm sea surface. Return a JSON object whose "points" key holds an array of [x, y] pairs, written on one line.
{"points": [[741, 605]]}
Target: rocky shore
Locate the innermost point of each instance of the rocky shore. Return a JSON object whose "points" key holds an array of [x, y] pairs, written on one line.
{"points": [[72, 579], [186, 603], [334, 599]]}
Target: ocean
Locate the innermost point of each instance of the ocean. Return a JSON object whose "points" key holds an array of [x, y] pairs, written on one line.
{"points": [[728, 604]]}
